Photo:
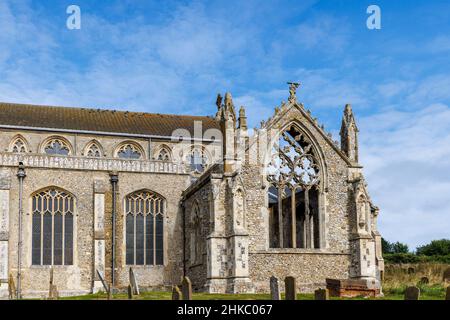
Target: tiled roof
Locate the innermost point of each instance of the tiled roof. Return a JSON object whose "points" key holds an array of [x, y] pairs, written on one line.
{"points": [[99, 120]]}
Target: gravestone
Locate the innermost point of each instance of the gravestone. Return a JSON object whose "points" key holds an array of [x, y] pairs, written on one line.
{"points": [[424, 280], [176, 293], [51, 288], [186, 288], [130, 292], [446, 276], [11, 287], [411, 270], [274, 288], [321, 294], [105, 285], [412, 293], [291, 288], [54, 292], [133, 282], [447, 296]]}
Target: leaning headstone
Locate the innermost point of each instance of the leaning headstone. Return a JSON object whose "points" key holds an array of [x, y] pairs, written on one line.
{"points": [[130, 292], [11, 287], [274, 288], [447, 296], [291, 288], [321, 294], [186, 288], [446, 276], [133, 282], [412, 293], [424, 280], [176, 293], [105, 285]]}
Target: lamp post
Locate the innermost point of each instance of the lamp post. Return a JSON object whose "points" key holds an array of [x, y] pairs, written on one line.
{"points": [[21, 174]]}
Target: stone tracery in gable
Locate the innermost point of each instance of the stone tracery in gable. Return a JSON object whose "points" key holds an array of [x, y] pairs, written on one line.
{"points": [[294, 175]]}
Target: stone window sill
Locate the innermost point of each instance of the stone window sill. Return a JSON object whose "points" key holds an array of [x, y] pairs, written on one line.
{"points": [[298, 251], [35, 266], [139, 266]]}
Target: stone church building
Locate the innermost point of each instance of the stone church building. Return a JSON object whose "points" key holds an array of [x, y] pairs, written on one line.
{"points": [[87, 192]]}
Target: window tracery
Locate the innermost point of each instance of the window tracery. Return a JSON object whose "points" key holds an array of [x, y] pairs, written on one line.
{"points": [[19, 145], [293, 174], [57, 146], [198, 159], [52, 227], [144, 211], [93, 150], [129, 151]]}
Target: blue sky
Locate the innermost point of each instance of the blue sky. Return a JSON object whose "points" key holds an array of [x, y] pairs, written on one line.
{"points": [[175, 56]]}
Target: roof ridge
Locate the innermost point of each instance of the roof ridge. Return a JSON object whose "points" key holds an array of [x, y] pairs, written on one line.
{"points": [[100, 110]]}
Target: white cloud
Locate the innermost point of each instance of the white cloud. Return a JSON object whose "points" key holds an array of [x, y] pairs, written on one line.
{"points": [[406, 156]]}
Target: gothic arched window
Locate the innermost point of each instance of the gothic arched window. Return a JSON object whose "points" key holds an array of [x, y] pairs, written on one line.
{"points": [[57, 146], [19, 145], [164, 155], [144, 212], [52, 227], [294, 177], [93, 149], [198, 159], [129, 151]]}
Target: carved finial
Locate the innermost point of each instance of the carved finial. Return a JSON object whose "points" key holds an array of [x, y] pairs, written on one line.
{"points": [[242, 112], [242, 119], [293, 86], [348, 109], [277, 109], [219, 101], [228, 100]]}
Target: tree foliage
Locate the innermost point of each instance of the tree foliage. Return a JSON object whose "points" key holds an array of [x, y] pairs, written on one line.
{"points": [[435, 248], [394, 247]]}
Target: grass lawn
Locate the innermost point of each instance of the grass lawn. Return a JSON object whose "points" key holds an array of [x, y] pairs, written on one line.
{"points": [[426, 294]]}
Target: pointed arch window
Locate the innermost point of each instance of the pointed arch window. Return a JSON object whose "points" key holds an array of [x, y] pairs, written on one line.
{"points": [[57, 146], [198, 159], [293, 174], [129, 151], [164, 155], [144, 221], [19, 145], [52, 227], [93, 150]]}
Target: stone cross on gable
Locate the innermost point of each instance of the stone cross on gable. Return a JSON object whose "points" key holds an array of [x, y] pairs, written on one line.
{"points": [[293, 86]]}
